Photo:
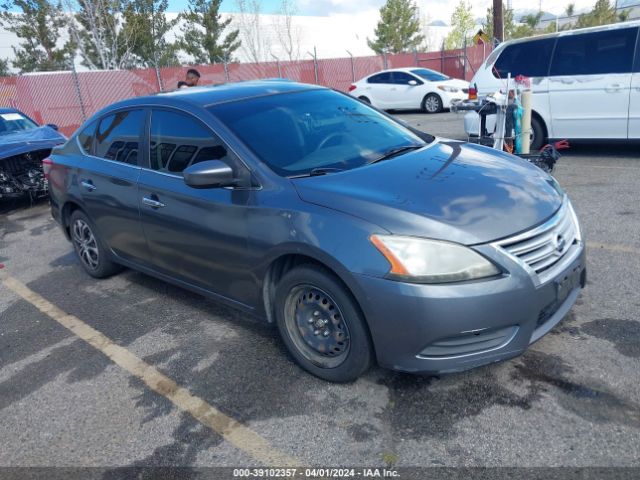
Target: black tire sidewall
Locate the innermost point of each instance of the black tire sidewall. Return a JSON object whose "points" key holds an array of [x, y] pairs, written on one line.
{"points": [[360, 355], [539, 137], [106, 267]]}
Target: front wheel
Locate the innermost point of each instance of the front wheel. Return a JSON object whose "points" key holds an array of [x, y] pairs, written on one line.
{"points": [[537, 135], [321, 325], [432, 103]]}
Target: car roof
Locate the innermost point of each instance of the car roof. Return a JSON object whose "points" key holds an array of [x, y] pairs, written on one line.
{"points": [[9, 110], [579, 31], [402, 69], [206, 96]]}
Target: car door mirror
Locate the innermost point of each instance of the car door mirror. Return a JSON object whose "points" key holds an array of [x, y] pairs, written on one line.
{"points": [[413, 83], [52, 125], [210, 173]]}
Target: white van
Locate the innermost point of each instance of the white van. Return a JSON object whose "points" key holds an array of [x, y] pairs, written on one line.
{"points": [[585, 83]]}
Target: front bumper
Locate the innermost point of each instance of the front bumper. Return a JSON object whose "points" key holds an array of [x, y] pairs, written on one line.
{"points": [[449, 328], [451, 97]]}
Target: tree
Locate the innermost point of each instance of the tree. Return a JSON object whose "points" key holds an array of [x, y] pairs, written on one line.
{"points": [[463, 24], [603, 13], [37, 23], [250, 25], [570, 10], [98, 31], [146, 25], [4, 68], [507, 20], [398, 29], [287, 32], [204, 32]]}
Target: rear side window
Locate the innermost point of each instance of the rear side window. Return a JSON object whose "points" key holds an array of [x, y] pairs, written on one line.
{"points": [[595, 53], [178, 141], [85, 138], [381, 78], [530, 59], [118, 136]]}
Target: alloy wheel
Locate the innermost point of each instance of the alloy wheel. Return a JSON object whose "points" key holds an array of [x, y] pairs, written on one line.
{"points": [[86, 244]]}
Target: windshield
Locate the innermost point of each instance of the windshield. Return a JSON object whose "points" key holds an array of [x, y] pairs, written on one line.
{"points": [[15, 122], [307, 132], [430, 75]]}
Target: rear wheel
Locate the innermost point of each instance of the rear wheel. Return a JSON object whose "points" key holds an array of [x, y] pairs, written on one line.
{"points": [[321, 325], [93, 256], [537, 134], [432, 103]]}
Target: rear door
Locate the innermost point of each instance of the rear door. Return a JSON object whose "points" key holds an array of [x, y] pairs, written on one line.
{"points": [[378, 89], [634, 98], [198, 235], [589, 85], [108, 177]]}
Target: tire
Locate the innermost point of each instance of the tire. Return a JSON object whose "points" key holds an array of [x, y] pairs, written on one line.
{"points": [[432, 103], [538, 136], [93, 256], [365, 100], [321, 325]]}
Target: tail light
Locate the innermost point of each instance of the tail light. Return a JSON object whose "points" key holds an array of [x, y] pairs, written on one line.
{"points": [[47, 165], [352, 88], [473, 92]]}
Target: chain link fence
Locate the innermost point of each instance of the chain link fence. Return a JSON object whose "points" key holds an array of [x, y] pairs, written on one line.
{"points": [[66, 99]]}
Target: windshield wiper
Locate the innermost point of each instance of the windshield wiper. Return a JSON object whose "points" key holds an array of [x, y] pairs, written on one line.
{"points": [[394, 152], [316, 172]]}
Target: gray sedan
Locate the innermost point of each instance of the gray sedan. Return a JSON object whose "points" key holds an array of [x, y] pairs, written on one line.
{"points": [[362, 239]]}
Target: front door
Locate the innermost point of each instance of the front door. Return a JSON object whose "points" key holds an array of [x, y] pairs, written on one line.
{"points": [[198, 235]]}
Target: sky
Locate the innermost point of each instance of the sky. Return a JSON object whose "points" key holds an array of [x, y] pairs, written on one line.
{"points": [[435, 9]]}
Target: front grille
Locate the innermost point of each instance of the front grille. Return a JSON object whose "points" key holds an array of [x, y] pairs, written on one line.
{"points": [[546, 250]]}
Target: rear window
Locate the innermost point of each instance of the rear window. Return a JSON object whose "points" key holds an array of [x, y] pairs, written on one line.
{"points": [[596, 53], [530, 59]]}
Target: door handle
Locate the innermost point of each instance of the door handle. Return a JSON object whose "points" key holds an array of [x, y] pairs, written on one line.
{"points": [[88, 184], [152, 202]]}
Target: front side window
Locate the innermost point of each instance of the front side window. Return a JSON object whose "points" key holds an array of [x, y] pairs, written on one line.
{"points": [[295, 133], [430, 75], [596, 53], [11, 122], [118, 135], [402, 78], [178, 140], [530, 59]]}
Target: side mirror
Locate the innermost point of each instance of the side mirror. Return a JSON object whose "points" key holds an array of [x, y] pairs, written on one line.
{"points": [[210, 173], [413, 83], [52, 125]]}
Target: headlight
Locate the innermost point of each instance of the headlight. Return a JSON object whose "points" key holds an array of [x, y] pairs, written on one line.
{"points": [[431, 261], [446, 88]]}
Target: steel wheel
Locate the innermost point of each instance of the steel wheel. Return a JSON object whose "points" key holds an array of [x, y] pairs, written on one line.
{"points": [[315, 325], [85, 243]]}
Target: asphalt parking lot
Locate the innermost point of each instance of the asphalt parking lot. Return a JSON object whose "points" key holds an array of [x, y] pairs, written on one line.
{"points": [[77, 396]]}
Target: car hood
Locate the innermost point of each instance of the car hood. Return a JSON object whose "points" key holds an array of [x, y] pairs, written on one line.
{"points": [[28, 140], [448, 190]]}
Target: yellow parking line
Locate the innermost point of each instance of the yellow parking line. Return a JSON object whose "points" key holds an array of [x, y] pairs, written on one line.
{"points": [[613, 247], [231, 430]]}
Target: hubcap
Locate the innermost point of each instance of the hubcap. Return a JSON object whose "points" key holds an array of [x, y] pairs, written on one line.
{"points": [[85, 243], [432, 104], [316, 326]]}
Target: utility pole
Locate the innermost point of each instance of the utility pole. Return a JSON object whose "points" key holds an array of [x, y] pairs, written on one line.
{"points": [[498, 23]]}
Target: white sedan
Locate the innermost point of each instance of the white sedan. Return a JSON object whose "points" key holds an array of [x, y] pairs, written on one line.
{"points": [[410, 89]]}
